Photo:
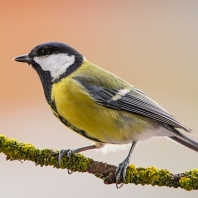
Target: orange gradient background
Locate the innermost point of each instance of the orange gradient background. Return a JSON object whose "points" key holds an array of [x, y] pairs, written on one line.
{"points": [[151, 44]]}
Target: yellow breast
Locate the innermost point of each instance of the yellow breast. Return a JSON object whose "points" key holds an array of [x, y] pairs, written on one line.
{"points": [[75, 105]]}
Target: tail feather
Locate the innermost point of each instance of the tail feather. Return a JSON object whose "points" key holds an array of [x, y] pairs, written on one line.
{"points": [[186, 141]]}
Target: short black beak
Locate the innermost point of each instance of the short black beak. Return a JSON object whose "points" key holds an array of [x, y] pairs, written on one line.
{"points": [[23, 58]]}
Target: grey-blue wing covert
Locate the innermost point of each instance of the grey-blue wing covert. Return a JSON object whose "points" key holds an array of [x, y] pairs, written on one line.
{"points": [[134, 101]]}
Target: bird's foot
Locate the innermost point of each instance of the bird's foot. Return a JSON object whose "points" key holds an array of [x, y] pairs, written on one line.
{"points": [[121, 172], [64, 152]]}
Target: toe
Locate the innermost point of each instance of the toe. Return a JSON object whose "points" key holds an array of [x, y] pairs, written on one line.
{"points": [[62, 153], [119, 185], [121, 173], [70, 153], [124, 173], [118, 177]]}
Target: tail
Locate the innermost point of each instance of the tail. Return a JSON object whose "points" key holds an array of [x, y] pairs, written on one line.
{"points": [[184, 140]]}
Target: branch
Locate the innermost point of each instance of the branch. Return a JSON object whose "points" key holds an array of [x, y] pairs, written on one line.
{"points": [[15, 150]]}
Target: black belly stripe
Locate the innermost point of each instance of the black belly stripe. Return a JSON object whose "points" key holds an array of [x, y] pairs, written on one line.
{"points": [[80, 131]]}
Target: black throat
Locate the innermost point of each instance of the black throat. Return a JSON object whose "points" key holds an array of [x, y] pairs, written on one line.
{"points": [[47, 81]]}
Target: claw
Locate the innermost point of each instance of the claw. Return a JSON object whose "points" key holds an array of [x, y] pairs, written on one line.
{"points": [[62, 153], [70, 153], [118, 180], [121, 172], [122, 167], [69, 172], [119, 186]]}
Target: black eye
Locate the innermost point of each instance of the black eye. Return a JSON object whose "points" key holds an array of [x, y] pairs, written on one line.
{"points": [[45, 52]]}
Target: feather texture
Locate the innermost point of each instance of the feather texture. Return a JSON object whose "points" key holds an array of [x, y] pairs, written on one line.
{"points": [[133, 101]]}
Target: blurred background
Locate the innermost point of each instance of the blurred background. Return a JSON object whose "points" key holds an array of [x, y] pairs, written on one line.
{"points": [[151, 44]]}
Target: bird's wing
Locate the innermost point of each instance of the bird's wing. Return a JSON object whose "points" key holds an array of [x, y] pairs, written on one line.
{"points": [[131, 100]]}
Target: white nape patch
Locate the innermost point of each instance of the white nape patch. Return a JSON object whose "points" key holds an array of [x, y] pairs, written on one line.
{"points": [[120, 94], [56, 64]]}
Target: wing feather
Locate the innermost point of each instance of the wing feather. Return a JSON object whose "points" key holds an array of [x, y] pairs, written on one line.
{"points": [[134, 101]]}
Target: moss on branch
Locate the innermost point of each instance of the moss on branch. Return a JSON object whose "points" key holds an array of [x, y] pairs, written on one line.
{"points": [[15, 150]]}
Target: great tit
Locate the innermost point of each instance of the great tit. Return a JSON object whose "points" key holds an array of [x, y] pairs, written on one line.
{"points": [[99, 105]]}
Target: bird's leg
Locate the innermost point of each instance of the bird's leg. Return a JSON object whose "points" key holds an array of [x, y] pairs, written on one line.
{"points": [[122, 167], [70, 152]]}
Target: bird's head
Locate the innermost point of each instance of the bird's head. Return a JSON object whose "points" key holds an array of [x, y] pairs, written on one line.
{"points": [[52, 59]]}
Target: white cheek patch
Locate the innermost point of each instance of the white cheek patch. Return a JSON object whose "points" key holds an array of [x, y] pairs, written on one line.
{"points": [[120, 94], [56, 64]]}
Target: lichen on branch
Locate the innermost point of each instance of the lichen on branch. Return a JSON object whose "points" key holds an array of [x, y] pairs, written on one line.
{"points": [[15, 150]]}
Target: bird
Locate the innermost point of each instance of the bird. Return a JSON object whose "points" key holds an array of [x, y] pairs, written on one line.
{"points": [[99, 105]]}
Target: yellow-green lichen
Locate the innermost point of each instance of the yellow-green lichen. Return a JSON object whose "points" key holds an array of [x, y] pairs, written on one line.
{"points": [[150, 175], [190, 180], [77, 163], [15, 150]]}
